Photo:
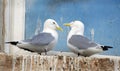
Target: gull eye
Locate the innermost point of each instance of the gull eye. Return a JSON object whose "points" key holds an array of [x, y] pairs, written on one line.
{"points": [[53, 22]]}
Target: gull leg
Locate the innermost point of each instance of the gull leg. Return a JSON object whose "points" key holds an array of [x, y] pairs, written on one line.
{"points": [[45, 51]]}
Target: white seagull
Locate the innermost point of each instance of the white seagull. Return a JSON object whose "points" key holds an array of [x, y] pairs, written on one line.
{"points": [[42, 42], [82, 45]]}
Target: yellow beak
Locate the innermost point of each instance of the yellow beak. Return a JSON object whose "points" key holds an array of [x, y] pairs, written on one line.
{"points": [[59, 28], [67, 24]]}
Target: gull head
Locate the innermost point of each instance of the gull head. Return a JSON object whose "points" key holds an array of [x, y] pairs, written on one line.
{"points": [[75, 24], [52, 24], [77, 27]]}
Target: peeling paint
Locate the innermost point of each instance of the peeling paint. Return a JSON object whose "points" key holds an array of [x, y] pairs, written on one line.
{"points": [[38, 26], [92, 34], [116, 64], [13, 64], [2, 24], [31, 63], [23, 64]]}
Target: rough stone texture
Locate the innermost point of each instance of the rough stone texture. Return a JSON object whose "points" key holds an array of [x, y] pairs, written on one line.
{"points": [[5, 62], [58, 63]]}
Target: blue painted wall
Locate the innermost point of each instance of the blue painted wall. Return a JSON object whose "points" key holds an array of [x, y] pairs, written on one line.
{"points": [[101, 15]]}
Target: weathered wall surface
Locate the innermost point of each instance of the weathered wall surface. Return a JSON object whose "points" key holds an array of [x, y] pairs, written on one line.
{"points": [[2, 25], [58, 63]]}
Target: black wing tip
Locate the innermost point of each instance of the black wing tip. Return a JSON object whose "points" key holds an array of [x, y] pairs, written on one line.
{"points": [[27, 49], [7, 42], [12, 42], [106, 47]]}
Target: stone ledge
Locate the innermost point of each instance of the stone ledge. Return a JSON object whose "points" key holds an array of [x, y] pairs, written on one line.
{"points": [[58, 63]]}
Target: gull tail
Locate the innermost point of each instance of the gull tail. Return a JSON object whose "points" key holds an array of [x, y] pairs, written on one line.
{"points": [[12, 42], [17, 42], [106, 47]]}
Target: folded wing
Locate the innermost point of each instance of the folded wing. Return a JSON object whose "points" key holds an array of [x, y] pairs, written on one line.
{"points": [[81, 42], [41, 39]]}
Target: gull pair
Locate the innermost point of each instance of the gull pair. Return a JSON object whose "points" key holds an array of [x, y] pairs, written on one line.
{"points": [[47, 39]]}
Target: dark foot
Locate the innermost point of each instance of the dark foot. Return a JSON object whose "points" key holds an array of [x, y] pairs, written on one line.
{"points": [[39, 53], [78, 54], [85, 56]]}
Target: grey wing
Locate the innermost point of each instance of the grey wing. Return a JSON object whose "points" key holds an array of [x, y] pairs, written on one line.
{"points": [[42, 39], [81, 42]]}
